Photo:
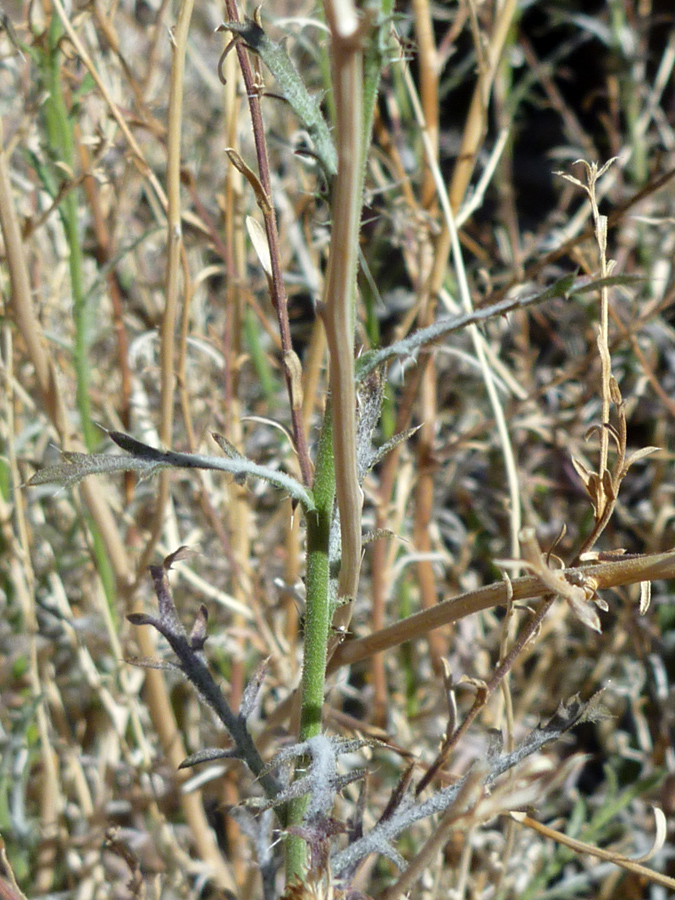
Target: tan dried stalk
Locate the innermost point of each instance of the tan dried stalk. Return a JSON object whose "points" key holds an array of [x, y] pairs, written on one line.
{"points": [[172, 272], [427, 59], [478, 340], [583, 848], [595, 578], [338, 310]]}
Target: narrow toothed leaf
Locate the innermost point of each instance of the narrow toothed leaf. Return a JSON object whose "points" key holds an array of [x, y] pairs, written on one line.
{"points": [[409, 811], [563, 288], [306, 107], [387, 447], [148, 461], [79, 465], [194, 668]]}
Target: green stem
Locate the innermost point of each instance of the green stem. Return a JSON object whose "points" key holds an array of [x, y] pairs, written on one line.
{"points": [[318, 616], [318, 611]]}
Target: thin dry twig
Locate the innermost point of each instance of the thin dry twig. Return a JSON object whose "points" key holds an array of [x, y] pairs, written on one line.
{"points": [[582, 847]]}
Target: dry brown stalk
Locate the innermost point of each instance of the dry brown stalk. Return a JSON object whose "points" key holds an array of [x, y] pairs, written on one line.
{"points": [[599, 577], [429, 71], [582, 847], [338, 313], [174, 246]]}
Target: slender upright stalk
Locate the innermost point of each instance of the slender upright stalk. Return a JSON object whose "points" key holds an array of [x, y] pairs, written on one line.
{"points": [[174, 245], [340, 294]]}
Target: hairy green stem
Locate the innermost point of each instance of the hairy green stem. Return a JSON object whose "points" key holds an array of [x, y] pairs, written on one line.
{"points": [[318, 612], [317, 622]]}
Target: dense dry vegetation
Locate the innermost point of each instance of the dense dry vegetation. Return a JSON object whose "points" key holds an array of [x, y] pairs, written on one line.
{"points": [[164, 276]]}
